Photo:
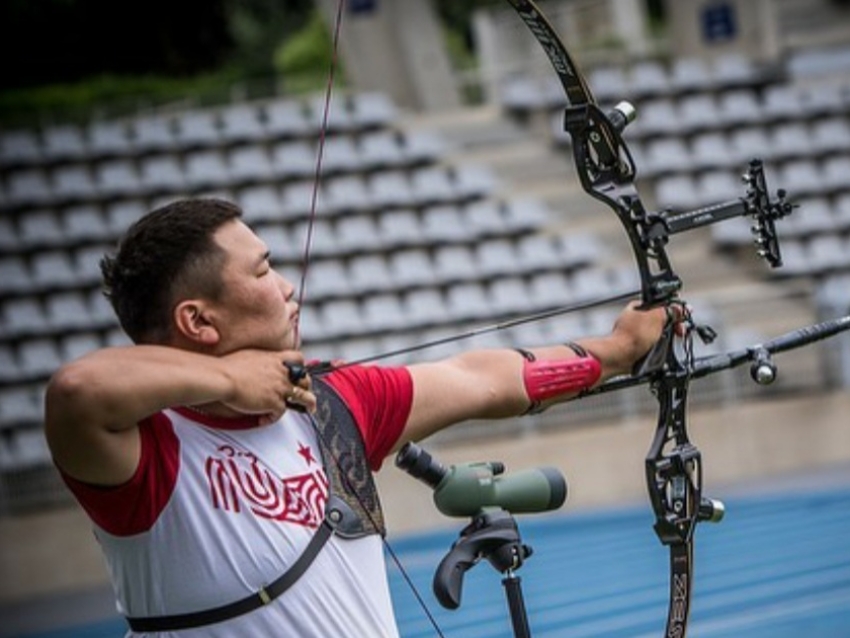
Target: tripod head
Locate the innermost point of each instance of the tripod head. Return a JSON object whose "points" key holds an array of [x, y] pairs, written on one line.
{"points": [[492, 534]]}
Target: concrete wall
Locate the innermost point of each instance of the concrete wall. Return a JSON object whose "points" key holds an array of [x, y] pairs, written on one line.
{"points": [[396, 47]]}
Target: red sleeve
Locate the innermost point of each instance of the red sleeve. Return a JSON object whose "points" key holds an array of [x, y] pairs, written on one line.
{"points": [[379, 400], [134, 506]]}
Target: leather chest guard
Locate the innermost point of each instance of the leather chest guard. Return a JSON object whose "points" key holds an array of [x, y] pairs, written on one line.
{"points": [[353, 492]]}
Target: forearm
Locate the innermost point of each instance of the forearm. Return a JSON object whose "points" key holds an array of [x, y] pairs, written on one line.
{"points": [[121, 386]]}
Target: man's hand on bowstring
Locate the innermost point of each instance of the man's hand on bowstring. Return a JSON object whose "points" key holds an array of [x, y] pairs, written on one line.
{"points": [[263, 384]]}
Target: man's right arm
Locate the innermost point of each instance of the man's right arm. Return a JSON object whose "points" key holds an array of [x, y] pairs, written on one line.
{"points": [[94, 404]]}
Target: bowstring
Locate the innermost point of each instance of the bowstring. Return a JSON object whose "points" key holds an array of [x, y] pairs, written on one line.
{"points": [[314, 198]]}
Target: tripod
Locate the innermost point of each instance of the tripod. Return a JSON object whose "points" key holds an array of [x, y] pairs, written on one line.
{"points": [[493, 534]]}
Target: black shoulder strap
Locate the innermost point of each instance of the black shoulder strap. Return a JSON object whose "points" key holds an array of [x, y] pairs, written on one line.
{"points": [[261, 597]]}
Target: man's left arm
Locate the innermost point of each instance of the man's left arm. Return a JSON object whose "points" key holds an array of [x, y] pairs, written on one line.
{"points": [[494, 384]]}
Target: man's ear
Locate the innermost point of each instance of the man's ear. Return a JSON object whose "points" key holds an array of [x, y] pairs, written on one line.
{"points": [[191, 318]]}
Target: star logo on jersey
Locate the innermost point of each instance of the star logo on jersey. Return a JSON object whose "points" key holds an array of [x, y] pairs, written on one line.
{"points": [[307, 452]]}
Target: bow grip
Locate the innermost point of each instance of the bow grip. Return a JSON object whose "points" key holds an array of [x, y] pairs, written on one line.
{"points": [[655, 359]]}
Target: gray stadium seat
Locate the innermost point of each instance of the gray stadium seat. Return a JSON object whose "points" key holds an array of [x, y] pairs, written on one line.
{"points": [[432, 185], [342, 317], [286, 118], [297, 200], [536, 252], [455, 263], [19, 147], [372, 109], [609, 83], [399, 228], [484, 218], [121, 214], [677, 192], [340, 155], [740, 107], [339, 117], [241, 123], [250, 164], [782, 102], [14, 274], [260, 203], [468, 301], [294, 159], [67, 310], [791, 140], [549, 290], [118, 178], [64, 142], [526, 214], [835, 173], [40, 227], [698, 112], [347, 193], [53, 269], [666, 155], [153, 133], [473, 180], [108, 138], [390, 189], [497, 257], [22, 316], [648, 78], [73, 182], [421, 146], [731, 70], [711, 150], [510, 295], [76, 345], [29, 186], [384, 312], [357, 233], [369, 273], [206, 169], [39, 357], [381, 149], [413, 267], [19, 406], [327, 278], [444, 224], [425, 306], [690, 74], [197, 128], [831, 134], [162, 173]]}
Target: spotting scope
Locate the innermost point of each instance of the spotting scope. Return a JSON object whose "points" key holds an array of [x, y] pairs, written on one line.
{"points": [[463, 490]]}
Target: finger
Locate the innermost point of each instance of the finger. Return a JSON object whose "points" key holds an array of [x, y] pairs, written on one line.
{"points": [[301, 398]]}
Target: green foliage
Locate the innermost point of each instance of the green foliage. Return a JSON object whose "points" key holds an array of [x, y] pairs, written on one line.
{"points": [[306, 51]]}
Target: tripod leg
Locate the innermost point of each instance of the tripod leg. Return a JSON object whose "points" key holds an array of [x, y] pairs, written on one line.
{"points": [[516, 604]]}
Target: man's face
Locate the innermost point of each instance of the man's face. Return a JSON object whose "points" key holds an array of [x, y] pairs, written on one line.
{"points": [[256, 308]]}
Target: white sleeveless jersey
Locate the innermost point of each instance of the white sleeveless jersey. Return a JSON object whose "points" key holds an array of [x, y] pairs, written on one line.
{"points": [[223, 507]]}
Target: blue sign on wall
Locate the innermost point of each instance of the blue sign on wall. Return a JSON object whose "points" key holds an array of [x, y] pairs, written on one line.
{"points": [[362, 6], [719, 22]]}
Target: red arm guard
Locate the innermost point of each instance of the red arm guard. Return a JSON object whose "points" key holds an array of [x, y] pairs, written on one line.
{"points": [[548, 379]]}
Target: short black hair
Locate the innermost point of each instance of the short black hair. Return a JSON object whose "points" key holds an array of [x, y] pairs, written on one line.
{"points": [[167, 255]]}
